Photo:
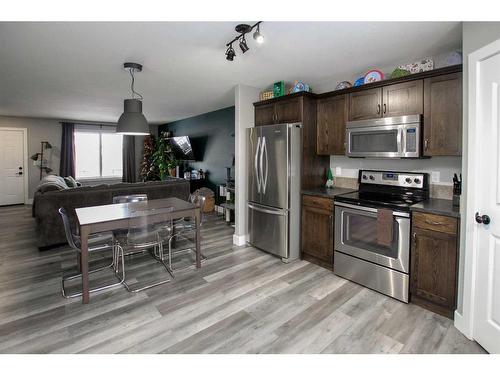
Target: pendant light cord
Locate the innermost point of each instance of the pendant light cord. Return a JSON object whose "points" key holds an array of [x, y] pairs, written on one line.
{"points": [[131, 70]]}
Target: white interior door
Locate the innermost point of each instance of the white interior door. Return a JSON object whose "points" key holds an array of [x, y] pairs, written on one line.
{"points": [[12, 167], [486, 200]]}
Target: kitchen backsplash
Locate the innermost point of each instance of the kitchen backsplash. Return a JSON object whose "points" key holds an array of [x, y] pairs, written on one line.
{"points": [[440, 169]]}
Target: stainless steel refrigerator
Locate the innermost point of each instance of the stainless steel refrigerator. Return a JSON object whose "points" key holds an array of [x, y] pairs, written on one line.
{"points": [[274, 165]]}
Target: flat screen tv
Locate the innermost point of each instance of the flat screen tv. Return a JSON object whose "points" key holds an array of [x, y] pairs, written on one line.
{"points": [[181, 147]]}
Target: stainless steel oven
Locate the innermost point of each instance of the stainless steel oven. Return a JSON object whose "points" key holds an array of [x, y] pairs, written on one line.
{"points": [[390, 137], [360, 258]]}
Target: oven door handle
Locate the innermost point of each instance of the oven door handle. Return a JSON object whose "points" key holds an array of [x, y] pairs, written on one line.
{"points": [[369, 209]]}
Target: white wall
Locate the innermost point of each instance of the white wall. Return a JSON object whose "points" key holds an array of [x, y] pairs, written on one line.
{"points": [[475, 35], [244, 97], [38, 130]]}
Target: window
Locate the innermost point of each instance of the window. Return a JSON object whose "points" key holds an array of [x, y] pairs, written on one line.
{"points": [[98, 152]]}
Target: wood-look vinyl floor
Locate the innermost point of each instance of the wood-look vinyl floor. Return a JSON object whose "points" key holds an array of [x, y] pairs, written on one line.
{"points": [[241, 301]]}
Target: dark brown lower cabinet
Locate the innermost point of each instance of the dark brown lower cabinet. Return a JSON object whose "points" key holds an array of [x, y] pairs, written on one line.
{"points": [[317, 231], [434, 253]]}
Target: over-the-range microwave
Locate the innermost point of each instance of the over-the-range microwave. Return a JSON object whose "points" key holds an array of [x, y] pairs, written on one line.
{"points": [[389, 137]]}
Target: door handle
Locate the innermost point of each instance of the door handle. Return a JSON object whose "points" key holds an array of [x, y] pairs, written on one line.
{"points": [[426, 144], [256, 165], [385, 108], [378, 109], [264, 177], [482, 219]]}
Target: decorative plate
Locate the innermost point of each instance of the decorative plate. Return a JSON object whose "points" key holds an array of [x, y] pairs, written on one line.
{"points": [[360, 81], [343, 85], [373, 75]]}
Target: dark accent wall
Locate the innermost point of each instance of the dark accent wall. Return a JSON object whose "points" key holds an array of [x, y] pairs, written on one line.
{"points": [[212, 139]]}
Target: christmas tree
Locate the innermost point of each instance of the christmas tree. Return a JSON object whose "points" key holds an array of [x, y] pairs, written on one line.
{"points": [[149, 170]]}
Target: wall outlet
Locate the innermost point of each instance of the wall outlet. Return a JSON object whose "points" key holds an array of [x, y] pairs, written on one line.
{"points": [[338, 171], [435, 176]]}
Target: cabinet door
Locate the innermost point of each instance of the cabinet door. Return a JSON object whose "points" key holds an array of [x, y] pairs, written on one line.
{"points": [[365, 104], [317, 233], [433, 269], [403, 99], [265, 114], [331, 119], [443, 115], [289, 110]]}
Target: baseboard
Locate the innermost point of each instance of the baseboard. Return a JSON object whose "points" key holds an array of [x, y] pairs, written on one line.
{"points": [[240, 240], [461, 325]]}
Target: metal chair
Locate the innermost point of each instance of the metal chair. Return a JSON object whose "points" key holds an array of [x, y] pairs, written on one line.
{"points": [[96, 243], [185, 227], [141, 238]]}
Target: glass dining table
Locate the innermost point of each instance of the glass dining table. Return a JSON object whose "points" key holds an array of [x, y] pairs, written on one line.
{"points": [[96, 219]]}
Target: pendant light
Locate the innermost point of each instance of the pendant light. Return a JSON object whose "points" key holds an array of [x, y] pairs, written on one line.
{"points": [[132, 121]]}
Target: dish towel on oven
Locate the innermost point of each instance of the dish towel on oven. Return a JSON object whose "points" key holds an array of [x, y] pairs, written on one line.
{"points": [[384, 227]]}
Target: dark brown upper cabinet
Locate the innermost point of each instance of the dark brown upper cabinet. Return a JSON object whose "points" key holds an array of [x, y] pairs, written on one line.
{"points": [[443, 115], [365, 104], [403, 99], [394, 100], [332, 113], [289, 111], [282, 111], [265, 114]]}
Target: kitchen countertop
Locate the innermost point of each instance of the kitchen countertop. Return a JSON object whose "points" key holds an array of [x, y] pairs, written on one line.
{"points": [[438, 207], [325, 192]]}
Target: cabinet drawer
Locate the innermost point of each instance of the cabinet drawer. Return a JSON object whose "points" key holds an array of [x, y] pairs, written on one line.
{"points": [[317, 202], [437, 223]]}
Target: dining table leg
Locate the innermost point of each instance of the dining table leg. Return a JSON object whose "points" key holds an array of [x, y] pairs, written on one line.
{"points": [[84, 263], [197, 217]]}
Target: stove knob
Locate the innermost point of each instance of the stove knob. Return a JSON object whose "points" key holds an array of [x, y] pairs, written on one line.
{"points": [[372, 178], [417, 180], [408, 180], [364, 177]]}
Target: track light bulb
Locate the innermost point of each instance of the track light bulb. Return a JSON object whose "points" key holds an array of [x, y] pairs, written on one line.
{"points": [[259, 38]]}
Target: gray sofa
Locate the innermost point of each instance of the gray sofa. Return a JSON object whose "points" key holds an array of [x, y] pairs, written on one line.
{"points": [[47, 201]]}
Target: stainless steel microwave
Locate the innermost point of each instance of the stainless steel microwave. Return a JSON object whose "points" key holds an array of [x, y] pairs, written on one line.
{"points": [[389, 137]]}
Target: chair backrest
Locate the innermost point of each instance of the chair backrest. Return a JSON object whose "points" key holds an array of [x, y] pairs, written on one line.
{"points": [[72, 238], [130, 198], [199, 200]]}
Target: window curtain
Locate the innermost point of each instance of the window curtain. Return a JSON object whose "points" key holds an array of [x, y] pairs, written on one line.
{"points": [[67, 164], [129, 168]]}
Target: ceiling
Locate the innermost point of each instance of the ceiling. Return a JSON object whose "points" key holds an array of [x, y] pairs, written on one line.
{"points": [[73, 70]]}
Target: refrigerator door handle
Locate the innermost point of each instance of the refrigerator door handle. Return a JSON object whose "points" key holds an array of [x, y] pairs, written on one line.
{"points": [[264, 177], [256, 165], [266, 211]]}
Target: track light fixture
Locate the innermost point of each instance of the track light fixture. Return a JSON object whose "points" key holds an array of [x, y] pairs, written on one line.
{"points": [[230, 53], [243, 29], [259, 38], [243, 44]]}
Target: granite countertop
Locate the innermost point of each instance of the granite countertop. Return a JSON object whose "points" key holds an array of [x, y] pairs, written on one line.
{"points": [[325, 192], [438, 207]]}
